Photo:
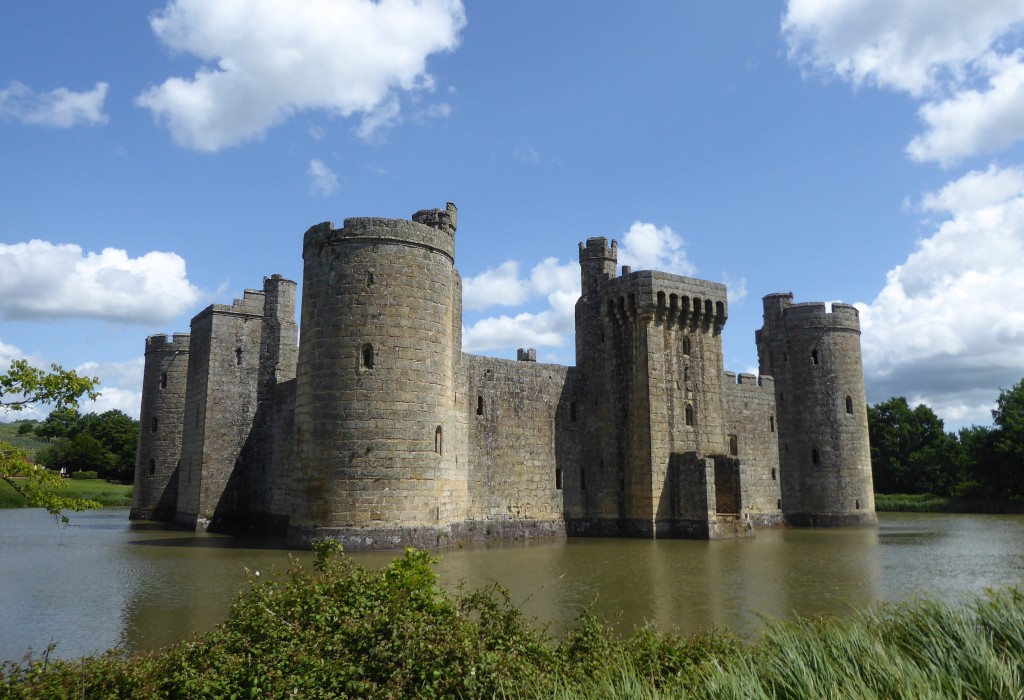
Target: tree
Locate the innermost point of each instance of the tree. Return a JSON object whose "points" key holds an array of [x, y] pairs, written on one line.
{"points": [[910, 450], [1008, 471], [23, 386]]}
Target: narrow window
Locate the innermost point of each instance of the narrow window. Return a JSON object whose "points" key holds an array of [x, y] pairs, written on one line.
{"points": [[686, 345], [778, 503], [368, 356], [734, 445], [438, 440], [689, 415], [774, 474], [785, 447], [152, 467], [558, 479], [238, 356], [163, 380], [622, 484], [153, 427], [849, 405], [814, 356], [858, 504], [369, 278], [583, 479], [771, 423], [479, 405], [815, 457], [572, 411], [601, 465]]}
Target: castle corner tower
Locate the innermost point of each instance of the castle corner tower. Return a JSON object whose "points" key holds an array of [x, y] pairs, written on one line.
{"points": [[825, 459]]}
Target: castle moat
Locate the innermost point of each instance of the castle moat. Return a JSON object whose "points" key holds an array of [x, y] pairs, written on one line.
{"points": [[104, 582]]}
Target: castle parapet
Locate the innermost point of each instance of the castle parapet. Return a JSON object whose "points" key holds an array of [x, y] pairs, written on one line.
{"points": [[446, 219], [672, 299], [816, 315], [162, 342], [373, 230]]}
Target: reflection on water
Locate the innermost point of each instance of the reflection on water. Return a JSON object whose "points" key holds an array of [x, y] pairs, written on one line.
{"points": [[104, 582]]}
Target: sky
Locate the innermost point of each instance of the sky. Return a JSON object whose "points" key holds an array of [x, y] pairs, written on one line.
{"points": [[162, 155]]}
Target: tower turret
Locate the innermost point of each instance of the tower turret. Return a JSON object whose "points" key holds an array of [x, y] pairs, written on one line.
{"points": [[824, 456], [158, 456], [377, 430]]}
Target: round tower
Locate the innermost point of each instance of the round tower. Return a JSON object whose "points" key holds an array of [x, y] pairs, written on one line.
{"points": [[377, 433], [824, 456], [165, 376]]}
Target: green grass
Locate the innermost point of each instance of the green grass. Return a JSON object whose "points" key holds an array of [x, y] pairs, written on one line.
{"points": [[29, 443], [929, 503], [107, 494]]}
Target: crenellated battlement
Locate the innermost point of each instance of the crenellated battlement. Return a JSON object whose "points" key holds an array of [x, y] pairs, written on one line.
{"points": [[817, 315], [671, 299], [161, 342], [446, 219], [751, 383], [597, 248], [437, 235]]}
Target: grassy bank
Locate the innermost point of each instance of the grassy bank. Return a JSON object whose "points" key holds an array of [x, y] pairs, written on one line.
{"points": [[110, 495], [341, 630], [928, 503]]}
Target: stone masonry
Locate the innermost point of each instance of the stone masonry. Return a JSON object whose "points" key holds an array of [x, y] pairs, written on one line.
{"points": [[378, 431]]}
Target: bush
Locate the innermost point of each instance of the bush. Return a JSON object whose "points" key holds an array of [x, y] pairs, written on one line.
{"points": [[85, 475]]}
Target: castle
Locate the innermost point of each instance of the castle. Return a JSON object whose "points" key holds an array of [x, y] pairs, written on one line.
{"points": [[377, 430]]}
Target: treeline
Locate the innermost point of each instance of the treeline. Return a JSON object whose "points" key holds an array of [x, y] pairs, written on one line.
{"points": [[911, 452], [95, 442]]}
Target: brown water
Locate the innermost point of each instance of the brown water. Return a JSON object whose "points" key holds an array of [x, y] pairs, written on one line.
{"points": [[104, 582]]}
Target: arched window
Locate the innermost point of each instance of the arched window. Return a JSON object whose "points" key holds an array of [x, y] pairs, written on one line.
{"points": [[815, 457], [367, 356], [689, 415], [849, 404], [814, 356], [152, 467], [439, 440]]}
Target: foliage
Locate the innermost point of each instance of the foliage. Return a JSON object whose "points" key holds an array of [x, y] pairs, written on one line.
{"points": [[930, 503], [24, 385], [21, 386], [910, 450], [341, 630], [38, 486], [103, 442], [83, 476]]}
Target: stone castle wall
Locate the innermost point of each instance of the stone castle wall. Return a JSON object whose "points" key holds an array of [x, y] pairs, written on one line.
{"points": [[753, 438], [377, 430], [814, 356], [161, 418], [525, 443]]}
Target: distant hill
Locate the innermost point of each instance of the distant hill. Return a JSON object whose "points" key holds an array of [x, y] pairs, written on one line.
{"points": [[9, 433]]}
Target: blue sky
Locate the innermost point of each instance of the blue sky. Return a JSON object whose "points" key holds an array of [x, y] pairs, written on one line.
{"points": [[159, 156]]}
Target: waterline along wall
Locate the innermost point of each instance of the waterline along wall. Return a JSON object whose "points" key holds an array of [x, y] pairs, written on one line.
{"points": [[377, 430]]}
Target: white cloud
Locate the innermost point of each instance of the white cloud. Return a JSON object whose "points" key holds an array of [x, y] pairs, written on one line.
{"points": [[322, 180], [645, 246], [61, 108], [648, 247], [43, 280], [735, 289], [120, 386], [500, 286], [974, 121], [908, 45], [266, 60], [956, 57], [386, 115], [948, 327]]}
